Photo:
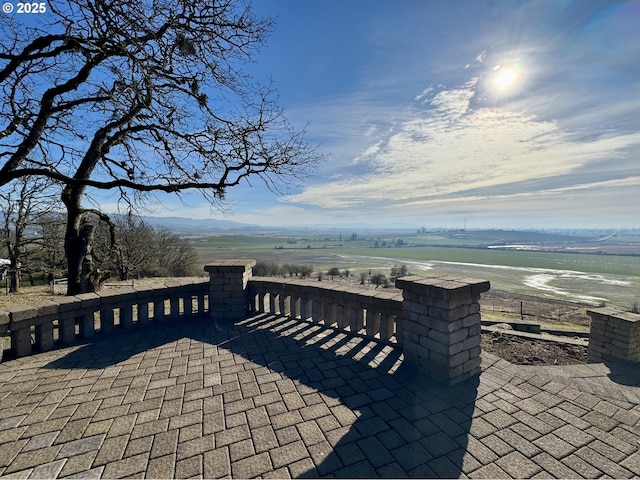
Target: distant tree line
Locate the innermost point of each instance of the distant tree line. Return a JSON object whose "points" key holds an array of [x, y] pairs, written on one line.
{"points": [[271, 269]]}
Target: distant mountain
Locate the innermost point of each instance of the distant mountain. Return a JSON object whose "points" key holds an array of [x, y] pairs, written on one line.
{"points": [[197, 226], [191, 226]]}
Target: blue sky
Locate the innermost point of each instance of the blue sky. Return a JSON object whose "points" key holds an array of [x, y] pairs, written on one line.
{"points": [[507, 114]]}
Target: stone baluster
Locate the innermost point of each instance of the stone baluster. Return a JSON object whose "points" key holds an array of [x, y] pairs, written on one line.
{"points": [[285, 304], [126, 300], [20, 321], [202, 303], [89, 303], [47, 313], [68, 308], [273, 302]]}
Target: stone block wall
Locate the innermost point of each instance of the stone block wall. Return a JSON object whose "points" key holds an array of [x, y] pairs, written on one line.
{"points": [[228, 295], [614, 335], [441, 325]]}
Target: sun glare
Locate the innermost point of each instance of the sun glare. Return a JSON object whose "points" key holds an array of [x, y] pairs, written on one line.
{"points": [[505, 77]]}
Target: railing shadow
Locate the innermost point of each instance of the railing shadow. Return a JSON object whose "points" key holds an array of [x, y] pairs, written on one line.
{"points": [[397, 421]]}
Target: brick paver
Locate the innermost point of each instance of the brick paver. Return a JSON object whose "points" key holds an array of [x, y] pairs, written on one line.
{"points": [[276, 398]]}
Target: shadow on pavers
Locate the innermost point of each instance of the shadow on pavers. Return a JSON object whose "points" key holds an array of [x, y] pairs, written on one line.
{"points": [[624, 372], [379, 416]]}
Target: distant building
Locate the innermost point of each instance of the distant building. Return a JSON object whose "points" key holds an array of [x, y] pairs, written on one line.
{"points": [[4, 267]]}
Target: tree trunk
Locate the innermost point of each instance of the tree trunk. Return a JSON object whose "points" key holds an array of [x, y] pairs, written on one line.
{"points": [[74, 251], [14, 280], [88, 275], [14, 269], [78, 245]]}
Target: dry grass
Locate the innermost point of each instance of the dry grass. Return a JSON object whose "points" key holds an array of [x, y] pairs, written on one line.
{"points": [[29, 295]]}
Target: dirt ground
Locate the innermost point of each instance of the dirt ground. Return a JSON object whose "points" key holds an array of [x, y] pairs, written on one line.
{"points": [[495, 305], [517, 306], [532, 352], [548, 312]]}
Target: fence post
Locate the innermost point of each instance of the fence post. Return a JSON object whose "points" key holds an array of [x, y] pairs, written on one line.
{"points": [[441, 325]]}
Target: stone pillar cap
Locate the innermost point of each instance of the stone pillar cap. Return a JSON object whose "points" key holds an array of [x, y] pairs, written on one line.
{"points": [[235, 262]]}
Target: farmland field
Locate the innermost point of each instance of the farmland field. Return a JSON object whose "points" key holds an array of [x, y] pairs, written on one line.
{"points": [[543, 267]]}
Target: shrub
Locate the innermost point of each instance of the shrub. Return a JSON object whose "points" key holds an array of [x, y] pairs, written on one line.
{"points": [[379, 279], [398, 271], [267, 269], [333, 272]]}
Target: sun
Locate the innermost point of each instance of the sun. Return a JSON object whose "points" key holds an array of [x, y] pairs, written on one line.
{"points": [[505, 77]]}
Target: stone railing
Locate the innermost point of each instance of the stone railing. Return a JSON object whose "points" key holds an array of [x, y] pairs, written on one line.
{"points": [[614, 335], [435, 320], [373, 313], [38, 327]]}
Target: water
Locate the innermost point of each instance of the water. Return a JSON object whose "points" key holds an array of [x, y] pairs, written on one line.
{"points": [[590, 288]]}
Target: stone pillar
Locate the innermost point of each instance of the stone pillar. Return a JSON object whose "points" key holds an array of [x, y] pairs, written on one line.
{"points": [[614, 335], [228, 294], [441, 325]]}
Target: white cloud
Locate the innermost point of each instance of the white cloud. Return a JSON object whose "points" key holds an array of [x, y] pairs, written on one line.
{"points": [[448, 147], [423, 94]]}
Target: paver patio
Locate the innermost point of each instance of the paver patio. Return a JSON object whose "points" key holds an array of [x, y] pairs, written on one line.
{"points": [[276, 397]]}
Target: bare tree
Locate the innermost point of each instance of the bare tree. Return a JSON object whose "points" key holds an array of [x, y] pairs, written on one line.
{"points": [[175, 256], [142, 97], [23, 203], [135, 249], [49, 252]]}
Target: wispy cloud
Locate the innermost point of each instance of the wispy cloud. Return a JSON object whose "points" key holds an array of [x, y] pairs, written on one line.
{"points": [[446, 148]]}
